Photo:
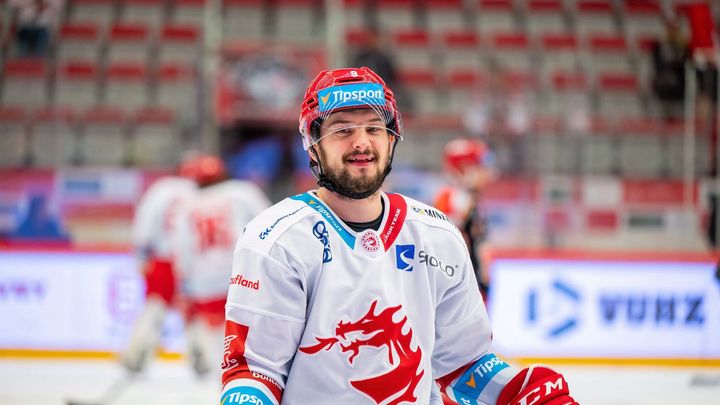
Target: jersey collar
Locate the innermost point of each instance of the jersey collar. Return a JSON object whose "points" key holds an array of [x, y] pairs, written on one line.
{"points": [[392, 222]]}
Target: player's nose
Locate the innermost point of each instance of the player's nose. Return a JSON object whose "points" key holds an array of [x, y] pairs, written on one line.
{"points": [[362, 140]]}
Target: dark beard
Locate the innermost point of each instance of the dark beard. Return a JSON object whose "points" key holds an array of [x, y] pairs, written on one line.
{"points": [[343, 183]]}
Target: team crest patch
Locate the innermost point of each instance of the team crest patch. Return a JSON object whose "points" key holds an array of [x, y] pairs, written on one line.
{"points": [[370, 241]]}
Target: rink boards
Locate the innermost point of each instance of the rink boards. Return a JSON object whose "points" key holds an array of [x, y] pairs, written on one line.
{"points": [[644, 308], [632, 308], [62, 301]]}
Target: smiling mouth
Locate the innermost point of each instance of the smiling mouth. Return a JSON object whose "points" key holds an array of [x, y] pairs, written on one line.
{"points": [[360, 159]]}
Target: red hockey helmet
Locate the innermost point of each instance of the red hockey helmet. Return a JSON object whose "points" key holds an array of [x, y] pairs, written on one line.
{"points": [[203, 169], [461, 152], [346, 88]]}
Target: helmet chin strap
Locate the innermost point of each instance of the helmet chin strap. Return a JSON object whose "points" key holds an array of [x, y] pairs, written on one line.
{"points": [[325, 182]]}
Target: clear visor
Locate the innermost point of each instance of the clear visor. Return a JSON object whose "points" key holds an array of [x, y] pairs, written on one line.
{"points": [[348, 110]]}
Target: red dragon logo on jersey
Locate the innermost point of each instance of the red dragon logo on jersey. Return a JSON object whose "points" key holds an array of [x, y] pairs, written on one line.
{"points": [[378, 331]]}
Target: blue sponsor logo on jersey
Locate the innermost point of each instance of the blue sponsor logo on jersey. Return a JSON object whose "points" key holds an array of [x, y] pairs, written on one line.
{"points": [[321, 233], [350, 95], [404, 256], [269, 229], [471, 384], [245, 395], [318, 206]]}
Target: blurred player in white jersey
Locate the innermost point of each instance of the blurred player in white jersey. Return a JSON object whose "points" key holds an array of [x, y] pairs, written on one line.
{"points": [[350, 295], [470, 166], [207, 227], [152, 235]]}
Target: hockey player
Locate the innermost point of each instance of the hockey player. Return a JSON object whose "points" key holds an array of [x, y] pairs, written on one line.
{"points": [[349, 295], [470, 166], [151, 235], [208, 225]]}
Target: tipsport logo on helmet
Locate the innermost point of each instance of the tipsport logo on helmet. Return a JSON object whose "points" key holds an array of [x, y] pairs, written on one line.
{"points": [[350, 95]]}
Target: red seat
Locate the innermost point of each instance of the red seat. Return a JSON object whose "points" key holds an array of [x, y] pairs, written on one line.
{"points": [[179, 43], [25, 82], [14, 139], [545, 15], [77, 83], [569, 81], [129, 41], [103, 141], [595, 16], [54, 136], [126, 83], [612, 81], [395, 14], [444, 15], [495, 15], [413, 49], [150, 12], [609, 52], [177, 88], [187, 11], [154, 139]]}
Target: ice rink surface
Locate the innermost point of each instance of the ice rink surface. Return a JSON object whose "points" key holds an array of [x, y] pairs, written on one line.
{"points": [[53, 382]]}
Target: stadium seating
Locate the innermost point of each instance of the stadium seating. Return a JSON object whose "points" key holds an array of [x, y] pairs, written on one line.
{"points": [[640, 149], [509, 50], [412, 49], [618, 95], [80, 40], [608, 52], [355, 15], [100, 12], [559, 52], [298, 21], [77, 84], [54, 137], [126, 84], [177, 89], [495, 16], [595, 17], [643, 19], [576, 59], [191, 12], [243, 19], [394, 15], [460, 50], [179, 44], [128, 42], [545, 16], [148, 12], [598, 152], [420, 87], [14, 139], [445, 15], [153, 140], [25, 83], [103, 141]]}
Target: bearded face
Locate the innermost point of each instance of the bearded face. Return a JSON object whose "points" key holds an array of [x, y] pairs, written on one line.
{"points": [[354, 152]]}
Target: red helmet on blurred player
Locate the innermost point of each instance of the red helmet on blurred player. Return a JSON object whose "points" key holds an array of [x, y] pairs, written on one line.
{"points": [[204, 169], [462, 152], [346, 89]]}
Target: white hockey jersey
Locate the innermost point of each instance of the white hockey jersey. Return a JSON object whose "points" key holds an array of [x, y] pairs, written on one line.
{"points": [[339, 317], [154, 216], [208, 225]]}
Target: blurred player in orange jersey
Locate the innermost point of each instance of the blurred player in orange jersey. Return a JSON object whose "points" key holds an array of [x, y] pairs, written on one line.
{"points": [[208, 225], [470, 165], [152, 235]]}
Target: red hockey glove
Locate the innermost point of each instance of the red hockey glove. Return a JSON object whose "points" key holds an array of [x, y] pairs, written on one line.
{"points": [[536, 385]]}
